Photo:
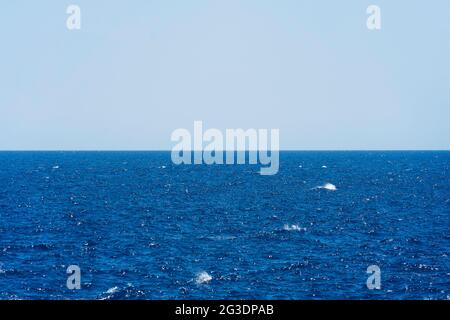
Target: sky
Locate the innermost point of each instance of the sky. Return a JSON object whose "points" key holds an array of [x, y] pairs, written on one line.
{"points": [[137, 70]]}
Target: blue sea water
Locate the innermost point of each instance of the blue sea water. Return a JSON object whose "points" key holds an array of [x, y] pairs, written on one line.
{"points": [[140, 227]]}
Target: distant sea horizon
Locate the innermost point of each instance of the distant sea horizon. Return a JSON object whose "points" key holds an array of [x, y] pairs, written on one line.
{"points": [[169, 150]]}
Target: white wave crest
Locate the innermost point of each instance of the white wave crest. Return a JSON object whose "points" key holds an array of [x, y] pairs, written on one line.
{"points": [[203, 277], [112, 290], [293, 227], [327, 186]]}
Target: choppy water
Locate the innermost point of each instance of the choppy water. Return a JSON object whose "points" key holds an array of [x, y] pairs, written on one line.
{"points": [[142, 228]]}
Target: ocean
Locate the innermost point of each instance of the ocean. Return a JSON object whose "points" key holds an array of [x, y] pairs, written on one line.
{"points": [[140, 227]]}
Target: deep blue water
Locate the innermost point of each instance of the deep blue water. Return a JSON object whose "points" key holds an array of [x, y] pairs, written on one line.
{"points": [[142, 228]]}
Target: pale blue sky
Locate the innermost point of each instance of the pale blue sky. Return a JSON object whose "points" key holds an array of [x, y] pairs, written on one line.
{"points": [[137, 70]]}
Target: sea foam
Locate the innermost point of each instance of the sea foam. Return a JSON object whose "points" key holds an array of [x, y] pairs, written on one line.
{"points": [[327, 186], [203, 277], [293, 227]]}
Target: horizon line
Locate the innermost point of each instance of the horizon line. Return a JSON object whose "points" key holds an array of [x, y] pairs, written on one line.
{"points": [[280, 150]]}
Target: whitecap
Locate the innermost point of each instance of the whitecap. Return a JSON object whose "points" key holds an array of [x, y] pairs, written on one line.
{"points": [[118, 293], [55, 167], [112, 290], [109, 294], [203, 277], [327, 186], [222, 237], [293, 227], [324, 167]]}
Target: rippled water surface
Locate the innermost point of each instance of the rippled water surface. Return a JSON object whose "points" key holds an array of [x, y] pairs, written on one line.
{"points": [[142, 228]]}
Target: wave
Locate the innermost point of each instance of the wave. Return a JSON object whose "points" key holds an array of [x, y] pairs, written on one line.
{"points": [[117, 293], [327, 186], [221, 237], [203, 277], [293, 227]]}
